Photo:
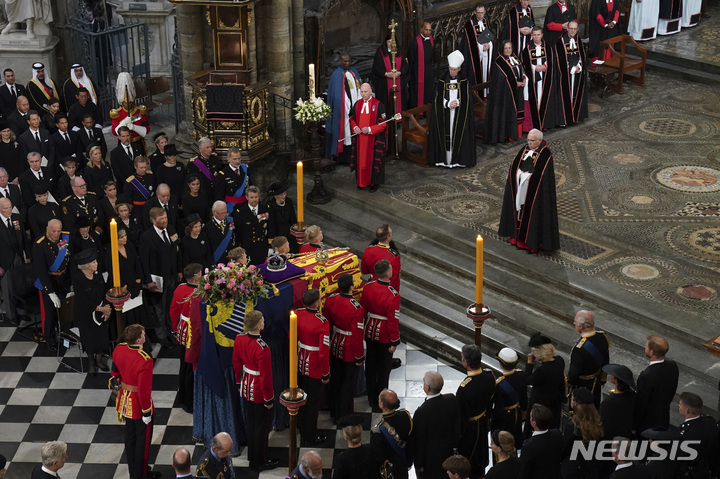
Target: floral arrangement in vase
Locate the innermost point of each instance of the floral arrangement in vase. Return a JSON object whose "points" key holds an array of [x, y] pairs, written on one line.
{"points": [[232, 282], [312, 111]]}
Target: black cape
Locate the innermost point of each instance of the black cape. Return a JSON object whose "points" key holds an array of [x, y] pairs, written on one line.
{"points": [[471, 51], [463, 135], [548, 114], [537, 226], [599, 33], [574, 108], [512, 24], [506, 106]]}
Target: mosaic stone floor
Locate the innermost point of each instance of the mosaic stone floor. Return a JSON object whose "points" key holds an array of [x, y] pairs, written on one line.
{"points": [[638, 185]]}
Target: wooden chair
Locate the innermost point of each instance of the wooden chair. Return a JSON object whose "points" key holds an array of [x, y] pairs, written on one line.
{"points": [[160, 86], [415, 129], [480, 106], [142, 96], [622, 63]]}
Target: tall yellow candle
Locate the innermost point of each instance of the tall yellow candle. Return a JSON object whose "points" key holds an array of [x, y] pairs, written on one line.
{"points": [[114, 252], [293, 350], [301, 212], [479, 270]]}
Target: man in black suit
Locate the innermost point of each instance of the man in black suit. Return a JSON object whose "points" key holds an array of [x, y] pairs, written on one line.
{"points": [[220, 231], [65, 142], [698, 427], [37, 138], [159, 265], [9, 93], [89, 134], [181, 463], [309, 467], [590, 354], [12, 192], [122, 156], [656, 387], [251, 220], [83, 106], [542, 452], [436, 428], [34, 176], [18, 119], [162, 199], [625, 468], [54, 455], [12, 253]]}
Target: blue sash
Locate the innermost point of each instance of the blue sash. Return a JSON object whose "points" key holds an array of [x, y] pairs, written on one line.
{"points": [[62, 253], [239, 192], [509, 391], [593, 351], [139, 186], [217, 254], [399, 451]]}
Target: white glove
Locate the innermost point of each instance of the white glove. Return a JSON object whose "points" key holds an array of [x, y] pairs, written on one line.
{"points": [[147, 419], [125, 122], [130, 125], [55, 300], [140, 130], [69, 295]]}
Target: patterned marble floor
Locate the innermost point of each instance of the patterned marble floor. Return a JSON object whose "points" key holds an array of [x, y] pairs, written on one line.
{"points": [[41, 400]]}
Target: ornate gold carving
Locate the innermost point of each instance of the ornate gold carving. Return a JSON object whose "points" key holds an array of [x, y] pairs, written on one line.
{"points": [[207, 15], [256, 110]]}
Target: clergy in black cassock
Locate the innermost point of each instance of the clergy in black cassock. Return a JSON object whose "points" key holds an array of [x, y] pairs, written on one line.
{"points": [[572, 64], [603, 23], [556, 20], [420, 80], [517, 26], [383, 78], [451, 141], [506, 103], [529, 210]]}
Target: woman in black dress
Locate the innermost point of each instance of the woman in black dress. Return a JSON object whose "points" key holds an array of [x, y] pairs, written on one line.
{"points": [[282, 214], [195, 244], [97, 173], [109, 202], [586, 427], [158, 156], [195, 201], [547, 378], [171, 172], [506, 462], [129, 276], [11, 157], [131, 224], [359, 461], [90, 311]]}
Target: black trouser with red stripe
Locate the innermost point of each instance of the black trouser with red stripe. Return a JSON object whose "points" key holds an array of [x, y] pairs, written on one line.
{"points": [[137, 446]]}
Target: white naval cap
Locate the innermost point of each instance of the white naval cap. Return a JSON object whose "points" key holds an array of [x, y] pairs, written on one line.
{"points": [[455, 59], [508, 356]]}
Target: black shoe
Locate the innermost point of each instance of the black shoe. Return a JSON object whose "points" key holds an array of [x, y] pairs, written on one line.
{"points": [[396, 363], [270, 464], [373, 188], [51, 346], [153, 475], [188, 410], [314, 441]]}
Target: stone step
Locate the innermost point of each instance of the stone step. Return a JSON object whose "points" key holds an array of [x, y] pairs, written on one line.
{"points": [[438, 286]]}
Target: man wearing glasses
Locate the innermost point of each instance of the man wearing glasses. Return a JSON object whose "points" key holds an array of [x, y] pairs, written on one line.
{"points": [[529, 211], [82, 203]]}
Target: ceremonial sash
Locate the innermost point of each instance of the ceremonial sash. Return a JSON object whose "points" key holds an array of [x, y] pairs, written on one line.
{"points": [[388, 67], [594, 352], [44, 89], [204, 170], [139, 186], [217, 254], [509, 391], [62, 253], [399, 451], [237, 196]]}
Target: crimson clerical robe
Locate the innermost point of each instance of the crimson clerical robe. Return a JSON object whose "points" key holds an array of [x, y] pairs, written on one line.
{"points": [[368, 151]]}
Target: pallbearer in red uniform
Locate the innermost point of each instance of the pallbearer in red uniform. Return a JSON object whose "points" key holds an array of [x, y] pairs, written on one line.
{"points": [[313, 363], [253, 375], [382, 330], [368, 148], [129, 115], [133, 368], [347, 318], [382, 248]]}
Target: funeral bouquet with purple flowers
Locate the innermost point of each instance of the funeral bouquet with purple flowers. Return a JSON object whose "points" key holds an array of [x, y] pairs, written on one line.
{"points": [[232, 282]]}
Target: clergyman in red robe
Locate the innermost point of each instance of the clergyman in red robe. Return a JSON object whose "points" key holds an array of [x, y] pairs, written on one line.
{"points": [[368, 147]]}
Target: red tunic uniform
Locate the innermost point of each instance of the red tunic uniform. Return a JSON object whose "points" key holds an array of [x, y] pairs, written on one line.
{"points": [[309, 248], [367, 117], [375, 253], [382, 304], [139, 117], [134, 367], [180, 311], [253, 369], [346, 317], [313, 344]]}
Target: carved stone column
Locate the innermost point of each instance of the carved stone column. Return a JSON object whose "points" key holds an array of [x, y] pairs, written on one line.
{"points": [[298, 39], [192, 49], [279, 53]]}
